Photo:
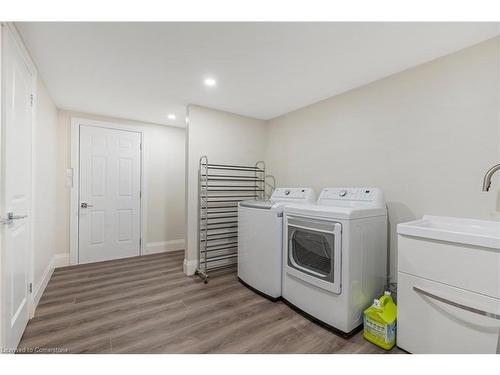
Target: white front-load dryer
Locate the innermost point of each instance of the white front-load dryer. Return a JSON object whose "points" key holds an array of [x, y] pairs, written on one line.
{"points": [[335, 256], [260, 235]]}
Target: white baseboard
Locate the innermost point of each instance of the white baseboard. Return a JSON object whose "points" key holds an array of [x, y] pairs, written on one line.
{"points": [[163, 246], [58, 260], [189, 266]]}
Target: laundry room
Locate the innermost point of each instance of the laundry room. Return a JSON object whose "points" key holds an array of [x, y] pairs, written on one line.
{"points": [[261, 187]]}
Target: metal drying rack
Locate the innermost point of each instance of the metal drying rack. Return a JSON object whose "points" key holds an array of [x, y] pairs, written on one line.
{"points": [[221, 187]]}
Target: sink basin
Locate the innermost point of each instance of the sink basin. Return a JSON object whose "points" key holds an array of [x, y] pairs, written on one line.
{"points": [[464, 231]]}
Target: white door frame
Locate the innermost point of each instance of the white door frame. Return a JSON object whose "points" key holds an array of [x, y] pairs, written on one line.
{"points": [[76, 122], [9, 27]]}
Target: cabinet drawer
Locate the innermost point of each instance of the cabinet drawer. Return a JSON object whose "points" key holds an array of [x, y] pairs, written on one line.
{"points": [[472, 268], [435, 318]]}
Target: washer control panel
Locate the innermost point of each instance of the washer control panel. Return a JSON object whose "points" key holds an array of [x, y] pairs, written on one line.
{"points": [[293, 194], [360, 194]]}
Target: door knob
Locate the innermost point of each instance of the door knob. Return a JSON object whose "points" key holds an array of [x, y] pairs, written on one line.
{"points": [[11, 217], [86, 205]]}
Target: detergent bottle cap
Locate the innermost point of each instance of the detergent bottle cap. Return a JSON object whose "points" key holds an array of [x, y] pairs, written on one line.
{"points": [[376, 303], [387, 293]]}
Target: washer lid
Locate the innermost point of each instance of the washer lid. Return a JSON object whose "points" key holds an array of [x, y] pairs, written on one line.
{"points": [[265, 205], [334, 212]]}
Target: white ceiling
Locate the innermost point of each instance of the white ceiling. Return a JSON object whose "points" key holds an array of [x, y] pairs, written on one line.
{"points": [[144, 71]]}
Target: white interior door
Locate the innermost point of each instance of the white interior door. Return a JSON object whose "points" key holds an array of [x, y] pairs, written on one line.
{"points": [[110, 188], [16, 192]]}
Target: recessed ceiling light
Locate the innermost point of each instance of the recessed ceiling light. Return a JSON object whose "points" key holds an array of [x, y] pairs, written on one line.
{"points": [[171, 116], [210, 82]]}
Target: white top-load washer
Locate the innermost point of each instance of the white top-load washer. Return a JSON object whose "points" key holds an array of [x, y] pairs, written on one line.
{"points": [[335, 256], [260, 235]]}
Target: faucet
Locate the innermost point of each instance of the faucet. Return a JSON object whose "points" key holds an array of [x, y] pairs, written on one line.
{"points": [[488, 175]]}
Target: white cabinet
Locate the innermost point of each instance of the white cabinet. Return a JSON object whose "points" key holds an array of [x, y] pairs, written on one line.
{"points": [[432, 318], [448, 293], [472, 268]]}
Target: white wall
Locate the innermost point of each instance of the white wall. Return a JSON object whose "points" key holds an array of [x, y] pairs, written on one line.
{"points": [[224, 138], [425, 136], [45, 198], [164, 186]]}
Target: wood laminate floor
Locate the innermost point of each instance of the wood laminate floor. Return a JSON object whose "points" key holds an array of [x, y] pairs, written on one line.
{"points": [[147, 305]]}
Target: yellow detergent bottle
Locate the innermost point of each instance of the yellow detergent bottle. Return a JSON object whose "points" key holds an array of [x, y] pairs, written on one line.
{"points": [[380, 322]]}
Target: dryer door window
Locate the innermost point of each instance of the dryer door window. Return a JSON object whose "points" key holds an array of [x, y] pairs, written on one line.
{"points": [[314, 249]]}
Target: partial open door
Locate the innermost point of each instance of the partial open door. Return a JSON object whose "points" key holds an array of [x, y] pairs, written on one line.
{"points": [[15, 191]]}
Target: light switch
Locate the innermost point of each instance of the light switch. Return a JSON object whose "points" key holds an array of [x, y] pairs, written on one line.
{"points": [[69, 178]]}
